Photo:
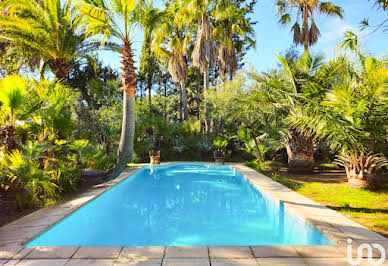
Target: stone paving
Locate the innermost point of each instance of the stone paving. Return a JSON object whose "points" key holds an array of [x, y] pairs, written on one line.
{"points": [[333, 225]]}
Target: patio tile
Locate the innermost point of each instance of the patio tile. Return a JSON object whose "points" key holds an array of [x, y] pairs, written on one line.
{"points": [[52, 252], [90, 262], [22, 254], [319, 252], [343, 247], [241, 252], [365, 262], [97, 253], [19, 234], [43, 262], [326, 261], [186, 252], [139, 262], [281, 262], [11, 262], [274, 251], [8, 251], [186, 262], [234, 262], [153, 252]]}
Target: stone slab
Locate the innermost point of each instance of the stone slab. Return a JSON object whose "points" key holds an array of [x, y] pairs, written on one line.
{"points": [[90, 262], [154, 252], [186, 262], [234, 262], [274, 251], [239, 252], [52, 252], [186, 252], [97, 253]]}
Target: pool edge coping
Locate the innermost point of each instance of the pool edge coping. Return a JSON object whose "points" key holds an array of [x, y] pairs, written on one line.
{"points": [[330, 223]]}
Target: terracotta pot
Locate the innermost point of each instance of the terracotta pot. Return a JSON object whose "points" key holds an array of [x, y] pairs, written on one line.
{"points": [[219, 157], [154, 157]]}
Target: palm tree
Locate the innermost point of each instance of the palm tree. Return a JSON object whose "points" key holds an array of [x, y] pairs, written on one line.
{"points": [[204, 53], [171, 42], [12, 98], [99, 18], [309, 33], [47, 30], [302, 83], [231, 22], [149, 18], [352, 118]]}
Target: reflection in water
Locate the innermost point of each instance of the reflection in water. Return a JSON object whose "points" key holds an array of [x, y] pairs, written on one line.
{"points": [[189, 204]]}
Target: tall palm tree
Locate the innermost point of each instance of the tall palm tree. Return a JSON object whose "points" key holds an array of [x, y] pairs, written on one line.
{"points": [[46, 29], [171, 42], [231, 22], [204, 53], [99, 18], [149, 18], [308, 34]]}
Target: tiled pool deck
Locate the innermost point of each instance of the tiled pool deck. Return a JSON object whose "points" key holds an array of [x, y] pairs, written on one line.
{"points": [[333, 225]]}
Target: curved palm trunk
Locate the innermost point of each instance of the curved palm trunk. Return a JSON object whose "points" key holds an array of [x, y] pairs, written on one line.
{"points": [[184, 101], [205, 88], [300, 152], [128, 80]]}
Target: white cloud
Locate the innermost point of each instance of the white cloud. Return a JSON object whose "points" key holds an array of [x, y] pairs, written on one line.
{"points": [[334, 28]]}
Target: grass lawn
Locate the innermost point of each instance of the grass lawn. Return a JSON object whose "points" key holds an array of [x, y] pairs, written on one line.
{"points": [[329, 187]]}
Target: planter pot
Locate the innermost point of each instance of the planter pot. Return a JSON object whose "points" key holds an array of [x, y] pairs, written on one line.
{"points": [[154, 157], [219, 157]]}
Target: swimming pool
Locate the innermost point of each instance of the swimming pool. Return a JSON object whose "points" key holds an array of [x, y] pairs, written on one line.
{"points": [[182, 205]]}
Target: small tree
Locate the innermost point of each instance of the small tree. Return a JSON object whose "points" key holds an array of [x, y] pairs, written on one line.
{"points": [[352, 119]]}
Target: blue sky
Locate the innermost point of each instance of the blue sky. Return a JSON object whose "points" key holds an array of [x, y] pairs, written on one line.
{"points": [[273, 38]]}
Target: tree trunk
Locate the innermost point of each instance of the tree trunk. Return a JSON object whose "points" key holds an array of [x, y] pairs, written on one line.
{"points": [[359, 180], [305, 29], [198, 95], [184, 102], [205, 88], [149, 87], [60, 68], [9, 137], [180, 104], [300, 150], [128, 80]]}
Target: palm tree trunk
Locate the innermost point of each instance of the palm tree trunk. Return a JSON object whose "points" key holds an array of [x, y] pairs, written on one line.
{"points": [[180, 104], [184, 101], [198, 95], [9, 137], [128, 80], [300, 150], [305, 29], [149, 86], [205, 88]]}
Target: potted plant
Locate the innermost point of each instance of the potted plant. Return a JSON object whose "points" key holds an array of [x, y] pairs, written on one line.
{"points": [[155, 150], [219, 145]]}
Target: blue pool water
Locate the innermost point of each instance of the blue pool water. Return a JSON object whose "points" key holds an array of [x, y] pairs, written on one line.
{"points": [[181, 204]]}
